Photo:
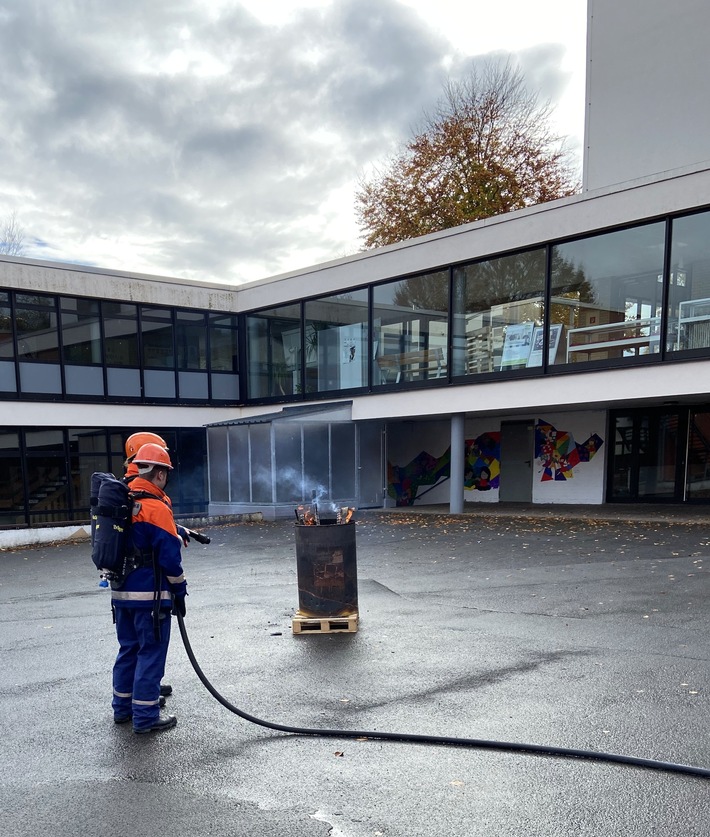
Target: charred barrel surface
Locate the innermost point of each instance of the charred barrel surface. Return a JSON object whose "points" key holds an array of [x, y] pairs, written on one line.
{"points": [[326, 564]]}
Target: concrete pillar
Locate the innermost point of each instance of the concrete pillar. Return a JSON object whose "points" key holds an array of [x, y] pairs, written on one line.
{"points": [[458, 452]]}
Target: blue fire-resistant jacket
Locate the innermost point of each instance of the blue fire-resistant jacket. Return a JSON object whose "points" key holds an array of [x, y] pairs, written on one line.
{"points": [[153, 529]]}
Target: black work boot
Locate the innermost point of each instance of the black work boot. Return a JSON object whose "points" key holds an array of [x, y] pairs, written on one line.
{"points": [[166, 689], [161, 723]]}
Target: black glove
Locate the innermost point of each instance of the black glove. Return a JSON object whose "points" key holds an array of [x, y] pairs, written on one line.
{"points": [[179, 606]]}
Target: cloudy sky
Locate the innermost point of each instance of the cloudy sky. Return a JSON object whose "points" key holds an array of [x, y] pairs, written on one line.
{"points": [[222, 140]]}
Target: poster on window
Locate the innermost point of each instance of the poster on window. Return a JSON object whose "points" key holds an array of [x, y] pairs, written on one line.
{"points": [[535, 358], [351, 358], [516, 349]]}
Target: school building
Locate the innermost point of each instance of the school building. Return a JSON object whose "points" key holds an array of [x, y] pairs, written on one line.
{"points": [[557, 354]]}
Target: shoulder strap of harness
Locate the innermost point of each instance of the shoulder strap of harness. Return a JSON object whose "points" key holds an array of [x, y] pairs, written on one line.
{"points": [[142, 495]]}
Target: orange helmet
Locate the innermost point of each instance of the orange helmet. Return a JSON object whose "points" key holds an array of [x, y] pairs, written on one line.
{"points": [[150, 455], [135, 442]]}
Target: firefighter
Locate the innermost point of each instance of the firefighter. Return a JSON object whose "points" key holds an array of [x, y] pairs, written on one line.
{"points": [[143, 603], [133, 444]]}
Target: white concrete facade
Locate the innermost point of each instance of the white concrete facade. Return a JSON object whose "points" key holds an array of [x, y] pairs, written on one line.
{"points": [[647, 70]]}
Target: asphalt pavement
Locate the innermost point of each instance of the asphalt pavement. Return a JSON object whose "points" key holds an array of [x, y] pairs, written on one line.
{"points": [[568, 627]]}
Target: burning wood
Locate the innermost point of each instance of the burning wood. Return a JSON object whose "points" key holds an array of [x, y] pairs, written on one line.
{"points": [[308, 514]]}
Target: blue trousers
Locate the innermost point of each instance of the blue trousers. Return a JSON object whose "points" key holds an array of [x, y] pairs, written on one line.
{"points": [[140, 664]]}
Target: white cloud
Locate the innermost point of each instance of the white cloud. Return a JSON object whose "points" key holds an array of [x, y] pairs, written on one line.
{"points": [[223, 141]]}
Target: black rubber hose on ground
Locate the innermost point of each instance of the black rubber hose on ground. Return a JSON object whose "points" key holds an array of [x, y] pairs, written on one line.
{"points": [[507, 746]]}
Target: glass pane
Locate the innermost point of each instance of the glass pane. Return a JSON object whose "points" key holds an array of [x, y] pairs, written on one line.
{"points": [[37, 333], [239, 456], [261, 470], [188, 488], [36, 300], [123, 382], [699, 457], [121, 336], [689, 284], [7, 348], [159, 384], [218, 454], [12, 492], [223, 343], [336, 342], [193, 385], [274, 352], [342, 439], [499, 314], [40, 377], [158, 347], [47, 478], [8, 382], [191, 337], [81, 331], [225, 387], [150, 313], [623, 477], [316, 456], [87, 452], [117, 441], [287, 455], [80, 306], [658, 443], [606, 295], [83, 380], [223, 349], [410, 329]]}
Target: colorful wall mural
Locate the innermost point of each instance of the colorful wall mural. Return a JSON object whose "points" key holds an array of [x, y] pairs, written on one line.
{"points": [[556, 449], [559, 453], [482, 469]]}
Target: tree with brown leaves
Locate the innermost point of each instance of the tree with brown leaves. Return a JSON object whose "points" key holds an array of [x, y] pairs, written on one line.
{"points": [[487, 149]]}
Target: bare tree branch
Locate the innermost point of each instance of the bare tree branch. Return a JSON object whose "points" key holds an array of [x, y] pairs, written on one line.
{"points": [[12, 236]]}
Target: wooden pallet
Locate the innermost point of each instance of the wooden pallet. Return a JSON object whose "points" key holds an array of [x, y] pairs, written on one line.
{"points": [[324, 624]]}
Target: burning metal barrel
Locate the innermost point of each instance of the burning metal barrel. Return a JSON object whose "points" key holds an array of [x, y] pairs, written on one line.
{"points": [[326, 561]]}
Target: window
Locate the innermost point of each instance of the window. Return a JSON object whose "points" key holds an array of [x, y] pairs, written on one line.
{"points": [[698, 476], [689, 285], [12, 490], [606, 296], [81, 346], [410, 330], [336, 342], [7, 346], [157, 336], [648, 446], [158, 352], [224, 357], [121, 349], [37, 330], [47, 476], [499, 314], [191, 341], [274, 352]]}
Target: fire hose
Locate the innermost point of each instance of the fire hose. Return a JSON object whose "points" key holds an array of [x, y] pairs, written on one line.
{"points": [[507, 746]]}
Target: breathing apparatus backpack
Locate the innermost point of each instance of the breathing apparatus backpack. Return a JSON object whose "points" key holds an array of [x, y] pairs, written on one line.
{"points": [[112, 549]]}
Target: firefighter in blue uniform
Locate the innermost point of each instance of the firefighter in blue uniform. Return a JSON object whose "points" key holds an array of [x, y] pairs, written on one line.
{"points": [[144, 602], [133, 444]]}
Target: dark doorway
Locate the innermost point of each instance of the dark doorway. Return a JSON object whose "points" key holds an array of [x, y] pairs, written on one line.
{"points": [[648, 461]]}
